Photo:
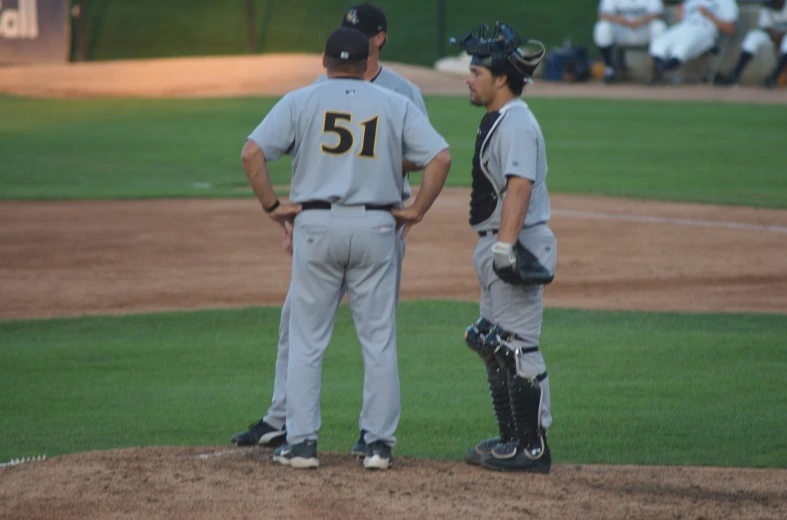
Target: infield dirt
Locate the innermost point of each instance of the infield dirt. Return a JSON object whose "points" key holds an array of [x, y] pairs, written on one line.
{"points": [[77, 258]]}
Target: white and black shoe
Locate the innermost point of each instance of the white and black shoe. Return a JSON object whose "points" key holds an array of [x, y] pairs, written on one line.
{"points": [[300, 456], [378, 456], [260, 433]]}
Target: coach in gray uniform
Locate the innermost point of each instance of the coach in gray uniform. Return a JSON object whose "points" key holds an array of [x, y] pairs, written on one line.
{"points": [[516, 252], [347, 138], [270, 430]]}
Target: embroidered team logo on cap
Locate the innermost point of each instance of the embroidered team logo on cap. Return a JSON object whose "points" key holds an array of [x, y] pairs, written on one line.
{"points": [[352, 16]]}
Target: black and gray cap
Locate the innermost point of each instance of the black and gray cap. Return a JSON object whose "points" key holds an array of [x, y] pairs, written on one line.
{"points": [[347, 44]]}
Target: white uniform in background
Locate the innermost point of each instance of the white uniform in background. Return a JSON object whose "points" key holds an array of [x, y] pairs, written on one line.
{"points": [[695, 34], [606, 33], [758, 38]]}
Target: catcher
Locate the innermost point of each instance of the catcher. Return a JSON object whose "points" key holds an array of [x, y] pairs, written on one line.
{"points": [[516, 252]]}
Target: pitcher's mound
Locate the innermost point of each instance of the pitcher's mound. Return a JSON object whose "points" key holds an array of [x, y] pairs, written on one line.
{"points": [[225, 482]]}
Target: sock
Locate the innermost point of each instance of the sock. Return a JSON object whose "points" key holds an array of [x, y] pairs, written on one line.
{"points": [[606, 53], [742, 62], [779, 66], [673, 63]]}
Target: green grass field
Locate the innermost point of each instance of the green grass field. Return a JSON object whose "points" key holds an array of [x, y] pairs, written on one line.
{"points": [[637, 388], [704, 152], [631, 388]]}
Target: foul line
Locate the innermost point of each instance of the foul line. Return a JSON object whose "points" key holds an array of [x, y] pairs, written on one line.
{"points": [[665, 220]]}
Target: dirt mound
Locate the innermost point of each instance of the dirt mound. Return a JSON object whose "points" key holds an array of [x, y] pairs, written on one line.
{"points": [[276, 74], [216, 482]]}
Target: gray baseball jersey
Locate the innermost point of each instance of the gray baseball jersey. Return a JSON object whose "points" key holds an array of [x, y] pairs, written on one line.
{"points": [[347, 138], [514, 146], [354, 129], [390, 80]]}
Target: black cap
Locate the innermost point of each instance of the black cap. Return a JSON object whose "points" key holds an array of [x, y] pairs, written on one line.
{"points": [[347, 44], [367, 18]]}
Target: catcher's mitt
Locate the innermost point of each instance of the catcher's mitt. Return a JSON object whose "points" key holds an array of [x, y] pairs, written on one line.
{"points": [[516, 265]]}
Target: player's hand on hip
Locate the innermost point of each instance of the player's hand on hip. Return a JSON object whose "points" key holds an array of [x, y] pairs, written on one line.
{"points": [[285, 212], [288, 238], [406, 218]]}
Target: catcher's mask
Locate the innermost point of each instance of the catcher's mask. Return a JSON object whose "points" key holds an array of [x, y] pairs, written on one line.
{"points": [[498, 49]]}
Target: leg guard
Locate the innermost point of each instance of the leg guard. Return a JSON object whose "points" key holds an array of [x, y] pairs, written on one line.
{"points": [[525, 395], [497, 378]]}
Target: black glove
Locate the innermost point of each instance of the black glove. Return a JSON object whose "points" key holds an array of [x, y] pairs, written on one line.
{"points": [[514, 264]]}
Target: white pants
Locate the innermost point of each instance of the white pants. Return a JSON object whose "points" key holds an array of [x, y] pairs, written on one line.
{"points": [[606, 33], [756, 39], [684, 41]]}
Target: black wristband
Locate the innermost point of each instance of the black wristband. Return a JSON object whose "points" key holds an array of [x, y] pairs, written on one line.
{"points": [[272, 207]]}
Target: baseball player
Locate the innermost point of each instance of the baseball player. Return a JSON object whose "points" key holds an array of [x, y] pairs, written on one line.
{"points": [[347, 138], [270, 430], [770, 31], [626, 22], [698, 28], [516, 253]]}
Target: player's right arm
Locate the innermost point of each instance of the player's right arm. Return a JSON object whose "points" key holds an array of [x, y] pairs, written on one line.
{"points": [[272, 138]]}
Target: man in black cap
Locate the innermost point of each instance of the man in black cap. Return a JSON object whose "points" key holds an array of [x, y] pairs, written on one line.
{"points": [[347, 139], [270, 430]]}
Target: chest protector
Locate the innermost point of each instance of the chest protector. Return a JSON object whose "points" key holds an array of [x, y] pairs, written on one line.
{"points": [[483, 197]]}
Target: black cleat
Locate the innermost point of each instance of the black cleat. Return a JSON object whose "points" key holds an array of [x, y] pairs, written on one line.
{"points": [[260, 433], [300, 456], [477, 452], [510, 456], [378, 456], [359, 450]]}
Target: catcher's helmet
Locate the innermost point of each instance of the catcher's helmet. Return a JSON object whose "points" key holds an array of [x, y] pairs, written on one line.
{"points": [[499, 50]]}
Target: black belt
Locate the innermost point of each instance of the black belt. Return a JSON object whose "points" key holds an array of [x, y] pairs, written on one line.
{"points": [[495, 231], [322, 204]]}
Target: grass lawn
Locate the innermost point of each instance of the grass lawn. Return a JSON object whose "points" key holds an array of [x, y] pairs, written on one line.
{"points": [[633, 388], [85, 149]]}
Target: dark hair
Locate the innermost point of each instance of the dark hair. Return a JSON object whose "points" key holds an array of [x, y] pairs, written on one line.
{"points": [[514, 82], [350, 67]]}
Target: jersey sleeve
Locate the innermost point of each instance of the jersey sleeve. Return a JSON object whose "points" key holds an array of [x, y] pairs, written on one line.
{"points": [[729, 11], [656, 7], [519, 153], [276, 133], [421, 142]]}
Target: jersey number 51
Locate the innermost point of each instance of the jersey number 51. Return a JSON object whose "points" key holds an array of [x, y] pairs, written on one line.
{"points": [[335, 123]]}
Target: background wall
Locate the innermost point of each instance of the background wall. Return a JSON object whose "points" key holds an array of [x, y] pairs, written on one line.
{"points": [[152, 28]]}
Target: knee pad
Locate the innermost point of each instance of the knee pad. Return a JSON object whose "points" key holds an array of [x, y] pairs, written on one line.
{"points": [[475, 335], [500, 343]]}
